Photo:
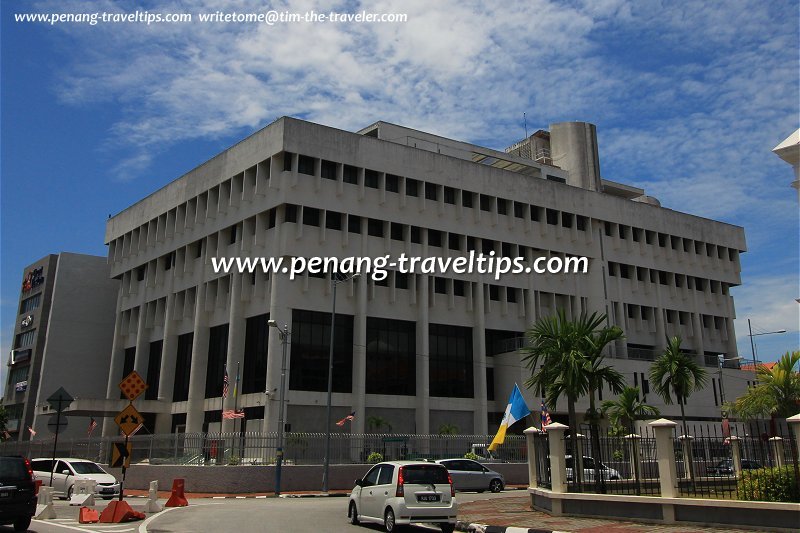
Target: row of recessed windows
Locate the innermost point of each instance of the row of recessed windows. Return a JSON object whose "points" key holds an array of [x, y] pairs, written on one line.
{"points": [[29, 304], [25, 339], [676, 243], [674, 316], [666, 278]]}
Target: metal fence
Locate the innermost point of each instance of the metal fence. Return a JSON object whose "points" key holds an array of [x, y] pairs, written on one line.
{"points": [[251, 448]]}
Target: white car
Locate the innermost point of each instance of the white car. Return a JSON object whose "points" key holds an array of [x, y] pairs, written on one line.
{"points": [[606, 472], [67, 470], [471, 475], [397, 493]]}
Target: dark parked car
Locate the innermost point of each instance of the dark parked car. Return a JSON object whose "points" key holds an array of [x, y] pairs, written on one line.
{"points": [[725, 467], [17, 492]]}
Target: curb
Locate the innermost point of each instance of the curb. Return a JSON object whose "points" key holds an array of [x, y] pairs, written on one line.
{"points": [[483, 528], [316, 495]]}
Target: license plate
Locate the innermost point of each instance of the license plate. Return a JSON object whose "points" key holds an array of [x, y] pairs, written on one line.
{"points": [[106, 491], [5, 494], [427, 497]]}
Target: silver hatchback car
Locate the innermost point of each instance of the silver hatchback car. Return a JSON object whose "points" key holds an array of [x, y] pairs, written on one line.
{"points": [[471, 475], [397, 493]]}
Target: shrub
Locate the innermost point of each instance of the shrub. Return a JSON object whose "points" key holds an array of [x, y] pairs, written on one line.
{"points": [[374, 457], [233, 460], [473, 456], [769, 485]]}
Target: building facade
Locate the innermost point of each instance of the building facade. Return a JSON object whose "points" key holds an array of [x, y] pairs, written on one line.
{"points": [[417, 350], [62, 338]]}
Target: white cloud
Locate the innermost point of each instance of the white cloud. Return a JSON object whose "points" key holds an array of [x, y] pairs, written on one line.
{"points": [[769, 302]]}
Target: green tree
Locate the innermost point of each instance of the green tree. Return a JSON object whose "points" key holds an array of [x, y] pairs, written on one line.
{"points": [[627, 408], [676, 376], [565, 359], [378, 423], [776, 394], [448, 429]]}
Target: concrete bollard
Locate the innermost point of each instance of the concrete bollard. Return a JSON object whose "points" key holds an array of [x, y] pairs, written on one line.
{"points": [[688, 459], [667, 472], [736, 455], [44, 506], [83, 492], [777, 451], [533, 464], [152, 505]]}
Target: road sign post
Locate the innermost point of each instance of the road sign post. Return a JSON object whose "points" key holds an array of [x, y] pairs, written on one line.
{"points": [[59, 400], [129, 421]]}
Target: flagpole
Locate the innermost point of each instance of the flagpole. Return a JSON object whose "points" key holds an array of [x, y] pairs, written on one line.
{"points": [[236, 408]]}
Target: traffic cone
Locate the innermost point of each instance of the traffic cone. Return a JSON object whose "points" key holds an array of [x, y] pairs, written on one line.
{"points": [[117, 512], [177, 498], [88, 516]]}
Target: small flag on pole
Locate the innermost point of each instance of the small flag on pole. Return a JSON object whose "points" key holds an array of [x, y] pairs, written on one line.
{"points": [[230, 413], [92, 425], [31, 431], [350, 417], [545, 417], [516, 410], [225, 383]]}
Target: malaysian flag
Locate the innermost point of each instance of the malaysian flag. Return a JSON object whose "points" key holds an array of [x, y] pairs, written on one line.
{"points": [[31, 431], [545, 417], [341, 422], [229, 414], [225, 383], [92, 425]]}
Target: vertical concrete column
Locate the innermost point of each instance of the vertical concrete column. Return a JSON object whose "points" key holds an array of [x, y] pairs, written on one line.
{"points": [[142, 352], [794, 427], [533, 460], [697, 325], [776, 447], [360, 354], [558, 464], [633, 443], [197, 376], [736, 455], [166, 375], [281, 313], [236, 332], [661, 334], [667, 472], [480, 422], [115, 371], [423, 357]]}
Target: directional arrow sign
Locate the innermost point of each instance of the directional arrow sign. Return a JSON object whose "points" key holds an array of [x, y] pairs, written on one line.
{"points": [[121, 454], [129, 420], [60, 399]]}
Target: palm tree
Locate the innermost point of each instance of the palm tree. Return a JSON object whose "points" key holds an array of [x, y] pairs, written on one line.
{"points": [[776, 394], [447, 429], [565, 359], [377, 423], [675, 373], [627, 408]]}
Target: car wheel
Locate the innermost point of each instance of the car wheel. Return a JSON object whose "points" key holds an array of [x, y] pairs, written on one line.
{"points": [[389, 521], [353, 514], [69, 492], [447, 528], [22, 524], [496, 485]]}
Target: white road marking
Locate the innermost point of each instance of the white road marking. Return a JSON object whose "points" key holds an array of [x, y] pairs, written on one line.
{"points": [[143, 525]]}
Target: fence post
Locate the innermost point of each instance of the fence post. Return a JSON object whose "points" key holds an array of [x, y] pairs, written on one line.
{"points": [[633, 442], [777, 450], [794, 426], [533, 475], [667, 473], [558, 464], [736, 455]]}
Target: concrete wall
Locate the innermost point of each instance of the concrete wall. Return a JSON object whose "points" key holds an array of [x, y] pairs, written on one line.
{"points": [[246, 479]]}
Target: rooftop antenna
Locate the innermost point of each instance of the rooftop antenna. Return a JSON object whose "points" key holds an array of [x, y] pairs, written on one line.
{"points": [[525, 120]]}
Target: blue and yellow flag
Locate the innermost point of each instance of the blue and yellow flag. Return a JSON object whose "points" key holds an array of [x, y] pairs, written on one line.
{"points": [[516, 410]]}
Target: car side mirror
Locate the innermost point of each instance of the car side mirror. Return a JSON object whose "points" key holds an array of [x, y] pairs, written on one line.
{"points": [[359, 482], [65, 472]]}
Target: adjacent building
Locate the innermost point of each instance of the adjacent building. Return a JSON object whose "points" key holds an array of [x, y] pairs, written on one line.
{"points": [[417, 350], [62, 338]]}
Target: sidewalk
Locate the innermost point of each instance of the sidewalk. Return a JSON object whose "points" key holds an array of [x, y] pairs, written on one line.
{"points": [[516, 511]]}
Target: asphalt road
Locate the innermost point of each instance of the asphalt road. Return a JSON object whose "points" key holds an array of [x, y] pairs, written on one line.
{"points": [[279, 515]]}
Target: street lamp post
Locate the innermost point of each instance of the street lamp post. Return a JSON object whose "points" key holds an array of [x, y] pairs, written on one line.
{"points": [[722, 362], [753, 345], [326, 463], [284, 335]]}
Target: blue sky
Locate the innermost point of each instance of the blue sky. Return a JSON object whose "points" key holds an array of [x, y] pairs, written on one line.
{"points": [[689, 99]]}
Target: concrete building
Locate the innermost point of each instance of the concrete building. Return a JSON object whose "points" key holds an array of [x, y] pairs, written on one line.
{"points": [[418, 350], [62, 338], [789, 151]]}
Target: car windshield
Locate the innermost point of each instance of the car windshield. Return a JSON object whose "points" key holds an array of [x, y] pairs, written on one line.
{"points": [[87, 468], [425, 474], [12, 468]]}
